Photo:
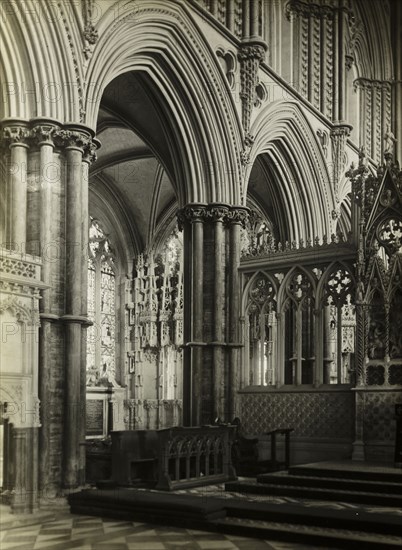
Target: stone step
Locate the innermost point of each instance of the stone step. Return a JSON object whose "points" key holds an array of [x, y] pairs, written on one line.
{"points": [[308, 492], [349, 470], [311, 536], [297, 480], [386, 521]]}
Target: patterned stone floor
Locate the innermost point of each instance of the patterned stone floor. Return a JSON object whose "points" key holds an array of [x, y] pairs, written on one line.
{"points": [[64, 531], [70, 531]]}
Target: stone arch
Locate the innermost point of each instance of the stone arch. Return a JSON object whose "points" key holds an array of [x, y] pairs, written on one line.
{"points": [[107, 206], [41, 81], [282, 297], [371, 41], [283, 134], [22, 313], [337, 264], [249, 285], [66, 80], [189, 86]]}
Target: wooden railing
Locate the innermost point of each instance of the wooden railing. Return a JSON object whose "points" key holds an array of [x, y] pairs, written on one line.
{"points": [[194, 456], [173, 457]]}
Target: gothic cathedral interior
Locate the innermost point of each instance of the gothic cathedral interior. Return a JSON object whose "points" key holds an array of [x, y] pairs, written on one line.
{"points": [[201, 220]]}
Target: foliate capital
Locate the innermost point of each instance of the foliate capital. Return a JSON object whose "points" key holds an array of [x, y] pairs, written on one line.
{"points": [[191, 213], [14, 132], [238, 215]]}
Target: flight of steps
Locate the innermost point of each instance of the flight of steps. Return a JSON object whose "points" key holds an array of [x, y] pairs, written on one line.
{"points": [[342, 485], [311, 505], [373, 521]]}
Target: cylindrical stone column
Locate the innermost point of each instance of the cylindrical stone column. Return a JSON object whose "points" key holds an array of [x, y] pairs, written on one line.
{"points": [[15, 134], [237, 219], [76, 139], [218, 214], [191, 219]]}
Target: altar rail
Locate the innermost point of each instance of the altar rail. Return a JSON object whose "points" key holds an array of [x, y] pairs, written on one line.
{"points": [[194, 456], [174, 457]]}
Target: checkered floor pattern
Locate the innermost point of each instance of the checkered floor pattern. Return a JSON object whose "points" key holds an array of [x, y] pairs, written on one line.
{"points": [[89, 533]]}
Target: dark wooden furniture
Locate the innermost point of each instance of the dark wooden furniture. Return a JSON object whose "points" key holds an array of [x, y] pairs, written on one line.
{"points": [[274, 463], [172, 458], [134, 457]]}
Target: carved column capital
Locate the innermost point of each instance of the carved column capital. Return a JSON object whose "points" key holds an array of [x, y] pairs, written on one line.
{"points": [[90, 151], [14, 132], [191, 213], [238, 215], [43, 131], [217, 212]]}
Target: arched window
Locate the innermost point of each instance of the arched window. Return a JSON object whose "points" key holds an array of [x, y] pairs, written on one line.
{"points": [[261, 332], [339, 326], [299, 329], [101, 338]]}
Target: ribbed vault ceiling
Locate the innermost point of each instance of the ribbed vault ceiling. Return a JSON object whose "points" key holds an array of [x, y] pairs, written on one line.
{"points": [[131, 161]]}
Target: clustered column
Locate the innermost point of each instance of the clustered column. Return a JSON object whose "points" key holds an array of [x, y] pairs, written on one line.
{"points": [[77, 142], [211, 315]]}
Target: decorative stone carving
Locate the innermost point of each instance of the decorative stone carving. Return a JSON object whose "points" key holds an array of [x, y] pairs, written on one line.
{"points": [[70, 138], [311, 414], [21, 312], [250, 57], [228, 62], [389, 142], [15, 133], [323, 137], [339, 135]]}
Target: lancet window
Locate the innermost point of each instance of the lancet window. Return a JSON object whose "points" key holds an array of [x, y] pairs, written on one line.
{"points": [[299, 328], [261, 332], [101, 336], [339, 326]]}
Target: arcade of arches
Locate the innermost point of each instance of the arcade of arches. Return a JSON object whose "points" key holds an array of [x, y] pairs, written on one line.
{"points": [[201, 218]]}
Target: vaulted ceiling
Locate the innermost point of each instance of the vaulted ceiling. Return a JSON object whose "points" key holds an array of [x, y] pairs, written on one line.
{"points": [[133, 162]]}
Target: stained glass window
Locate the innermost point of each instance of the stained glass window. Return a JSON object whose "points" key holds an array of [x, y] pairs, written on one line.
{"points": [[101, 336]]}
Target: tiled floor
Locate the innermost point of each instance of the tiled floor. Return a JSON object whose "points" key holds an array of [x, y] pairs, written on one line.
{"points": [[89, 533]]}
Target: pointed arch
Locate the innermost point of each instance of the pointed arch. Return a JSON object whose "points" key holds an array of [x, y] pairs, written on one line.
{"points": [[163, 42], [282, 297], [251, 282], [335, 265], [41, 81], [283, 134]]}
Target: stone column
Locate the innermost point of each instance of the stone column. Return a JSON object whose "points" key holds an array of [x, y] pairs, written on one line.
{"points": [[218, 213], [342, 29], [212, 301], [15, 135], [237, 219], [19, 501], [50, 340], [396, 41], [76, 140], [191, 219]]}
